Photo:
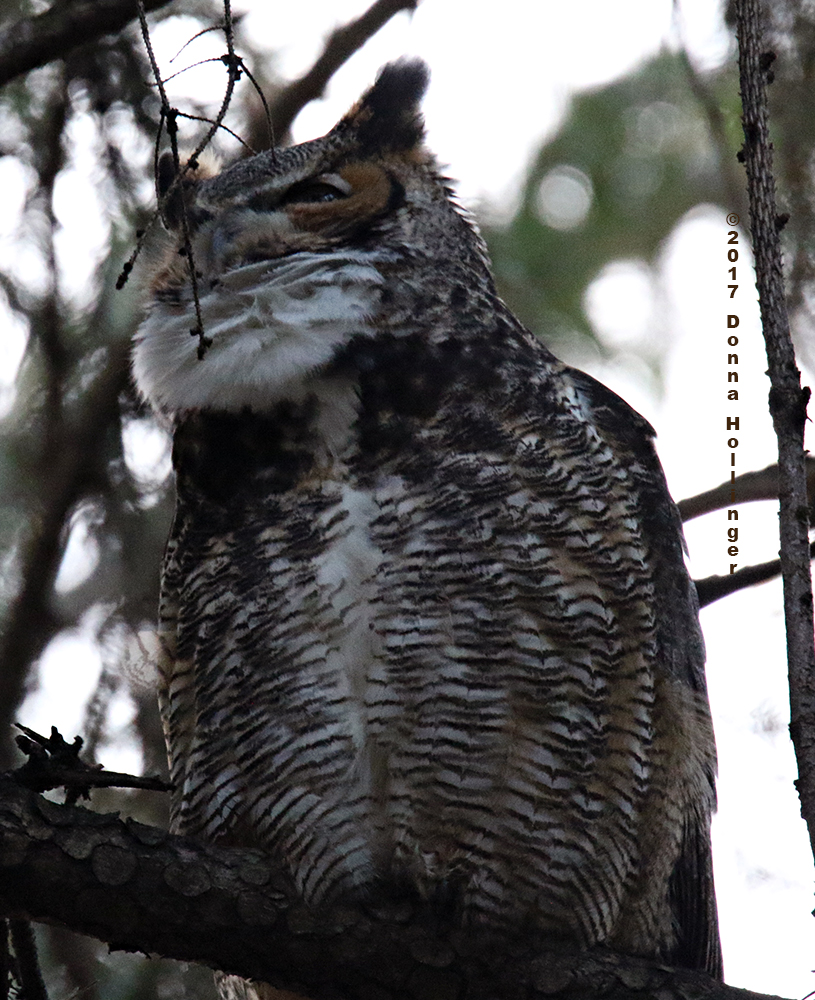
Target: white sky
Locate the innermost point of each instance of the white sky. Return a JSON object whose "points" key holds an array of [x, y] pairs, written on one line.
{"points": [[501, 79]]}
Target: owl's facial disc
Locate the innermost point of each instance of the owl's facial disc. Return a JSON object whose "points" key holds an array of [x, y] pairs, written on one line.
{"points": [[290, 251], [316, 214]]}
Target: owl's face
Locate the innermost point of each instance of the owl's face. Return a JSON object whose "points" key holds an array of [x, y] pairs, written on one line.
{"points": [[298, 251]]}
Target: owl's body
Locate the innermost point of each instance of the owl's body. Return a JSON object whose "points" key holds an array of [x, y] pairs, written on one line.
{"points": [[425, 614]]}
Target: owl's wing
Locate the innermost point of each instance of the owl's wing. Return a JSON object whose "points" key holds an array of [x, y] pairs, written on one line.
{"points": [[693, 900], [176, 690], [681, 646], [680, 651]]}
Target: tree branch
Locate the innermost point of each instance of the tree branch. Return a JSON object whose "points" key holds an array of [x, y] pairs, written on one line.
{"points": [[759, 485], [712, 588], [787, 404], [54, 763], [35, 41], [141, 889], [342, 43]]}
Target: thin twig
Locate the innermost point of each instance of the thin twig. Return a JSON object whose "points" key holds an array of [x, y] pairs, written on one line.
{"points": [[788, 403], [267, 111], [195, 37], [222, 127], [170, 115], [186, 69], [234, 68]]}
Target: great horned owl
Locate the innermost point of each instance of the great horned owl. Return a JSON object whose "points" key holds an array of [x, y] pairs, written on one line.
{"points": [[425, 615]]}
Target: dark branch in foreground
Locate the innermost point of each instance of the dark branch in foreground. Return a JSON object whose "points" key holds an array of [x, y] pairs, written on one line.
{"points": [[342, 43], [53, 763], [35, 41], [141, 889]]}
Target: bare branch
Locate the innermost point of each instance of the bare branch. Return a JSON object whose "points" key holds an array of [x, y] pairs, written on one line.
{"points": [[788, 402], [760, 485], [342, 43], [142, 889], [35, 41], [54, 763], [712, 588]]}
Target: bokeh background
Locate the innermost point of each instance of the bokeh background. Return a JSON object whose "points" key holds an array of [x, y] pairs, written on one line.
{"points": [[596, 144]]}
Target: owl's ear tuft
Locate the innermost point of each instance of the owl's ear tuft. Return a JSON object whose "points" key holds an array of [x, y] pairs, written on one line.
{"points": [[387, 117]]}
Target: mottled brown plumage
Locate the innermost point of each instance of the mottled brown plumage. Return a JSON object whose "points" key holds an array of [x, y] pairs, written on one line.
{"points": [[426, 621]]}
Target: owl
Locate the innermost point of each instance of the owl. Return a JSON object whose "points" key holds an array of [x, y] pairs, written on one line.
{"points": [[425, 622]]}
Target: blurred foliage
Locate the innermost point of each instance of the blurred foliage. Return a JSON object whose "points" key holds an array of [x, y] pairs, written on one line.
{"points": [[626, 165]]}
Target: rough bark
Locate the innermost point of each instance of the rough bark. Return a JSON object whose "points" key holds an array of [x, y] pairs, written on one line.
{"points": [[141, 889], [788, 401]]}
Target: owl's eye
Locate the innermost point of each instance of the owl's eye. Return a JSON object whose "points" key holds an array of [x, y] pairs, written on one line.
{"points": [[328, 187]]}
